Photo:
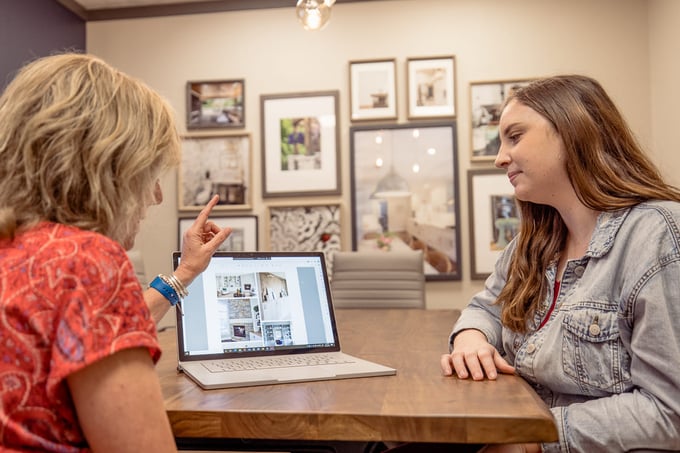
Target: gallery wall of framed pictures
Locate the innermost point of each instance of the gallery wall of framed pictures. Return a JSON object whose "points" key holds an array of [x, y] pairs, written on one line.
{"points": [[404, 191]]}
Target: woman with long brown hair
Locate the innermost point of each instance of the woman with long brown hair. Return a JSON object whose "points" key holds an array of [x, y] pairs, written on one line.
{"points": [[585, 302]]}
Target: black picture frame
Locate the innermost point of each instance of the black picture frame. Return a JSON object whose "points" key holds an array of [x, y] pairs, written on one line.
{"points": [[423, 214]]}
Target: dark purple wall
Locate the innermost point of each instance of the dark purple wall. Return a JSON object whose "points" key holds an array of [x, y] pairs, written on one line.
{"points": [[35, 28]]}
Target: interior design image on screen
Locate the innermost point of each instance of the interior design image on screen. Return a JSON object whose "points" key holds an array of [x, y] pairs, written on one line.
{"points": [[246, 305], [250, 302]]}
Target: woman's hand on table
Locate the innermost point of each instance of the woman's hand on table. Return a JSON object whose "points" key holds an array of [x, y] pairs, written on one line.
{"points": [[473, 356]]}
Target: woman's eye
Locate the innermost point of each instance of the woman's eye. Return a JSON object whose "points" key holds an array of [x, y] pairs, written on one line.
{"points": [[514, 138]]}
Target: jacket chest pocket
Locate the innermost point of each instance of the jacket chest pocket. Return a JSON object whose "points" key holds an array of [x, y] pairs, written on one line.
{"points": [[592, 351]]}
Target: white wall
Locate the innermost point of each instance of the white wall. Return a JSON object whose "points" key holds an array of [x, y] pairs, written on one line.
{"points": [[491, 40], [664, 51]]}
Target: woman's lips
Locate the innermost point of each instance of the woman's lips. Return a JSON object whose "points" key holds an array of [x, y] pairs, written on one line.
{"points": [[512, 175]]}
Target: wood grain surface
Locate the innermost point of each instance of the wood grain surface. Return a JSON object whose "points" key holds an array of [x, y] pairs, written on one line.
{"points": [[419, 404]]}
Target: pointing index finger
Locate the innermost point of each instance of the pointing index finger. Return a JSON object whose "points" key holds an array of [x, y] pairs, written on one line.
{"points": [[205, 212]]}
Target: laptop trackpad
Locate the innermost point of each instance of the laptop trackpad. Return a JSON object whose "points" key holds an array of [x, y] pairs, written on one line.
{"points": [[297, 374]]}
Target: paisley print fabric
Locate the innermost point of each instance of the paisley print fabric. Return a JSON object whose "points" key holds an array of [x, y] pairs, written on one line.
{"points": [[67, 299]]}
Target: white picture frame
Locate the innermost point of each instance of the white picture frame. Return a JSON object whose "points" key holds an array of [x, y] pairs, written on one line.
{"points": [[493, 221], [431, 85], [373, 89]]}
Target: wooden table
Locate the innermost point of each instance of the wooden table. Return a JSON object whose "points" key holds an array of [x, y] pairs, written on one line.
{"points": [[419, 404]]}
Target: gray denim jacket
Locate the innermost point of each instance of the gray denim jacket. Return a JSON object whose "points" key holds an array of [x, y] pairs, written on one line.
{"points": [[607, 362]]}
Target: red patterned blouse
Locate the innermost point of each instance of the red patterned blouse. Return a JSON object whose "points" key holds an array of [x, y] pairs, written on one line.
{"points": [[68, 298]]}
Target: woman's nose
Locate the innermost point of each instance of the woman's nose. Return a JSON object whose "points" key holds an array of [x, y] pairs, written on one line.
{"points": [[502, 158]]}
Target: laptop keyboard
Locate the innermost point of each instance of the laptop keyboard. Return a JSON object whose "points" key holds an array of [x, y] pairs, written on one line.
{"points": [[259, 363]]}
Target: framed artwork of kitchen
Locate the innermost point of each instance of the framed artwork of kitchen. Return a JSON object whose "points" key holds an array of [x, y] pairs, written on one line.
{"points": [[494, 218], [405, 189], [212, 165], [431, 85], [243, 237], [486, 100], [300, 144], [373, 89], [215, 104]]}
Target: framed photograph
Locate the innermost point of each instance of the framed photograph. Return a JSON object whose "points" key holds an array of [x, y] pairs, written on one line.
{"points": [[300, 144], [494, 218], [405, 193], [306, 228], [215, 165], [373, 89], [216, 104], [431, 85], [486, 100], [243, 237]]}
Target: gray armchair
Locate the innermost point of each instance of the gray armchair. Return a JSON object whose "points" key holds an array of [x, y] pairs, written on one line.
{"points": [[378, 279]]}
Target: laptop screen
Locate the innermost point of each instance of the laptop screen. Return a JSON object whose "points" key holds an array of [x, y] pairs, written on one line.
{"points": [[257, 303]]}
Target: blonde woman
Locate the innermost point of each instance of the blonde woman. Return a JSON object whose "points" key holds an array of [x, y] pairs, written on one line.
{"points": [[82, 147]]}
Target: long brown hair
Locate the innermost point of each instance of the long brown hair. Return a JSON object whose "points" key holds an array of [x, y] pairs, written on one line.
{"points": [[606, 166]]}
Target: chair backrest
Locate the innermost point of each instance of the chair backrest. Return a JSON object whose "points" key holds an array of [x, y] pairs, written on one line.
{"points": [[378, 279]]}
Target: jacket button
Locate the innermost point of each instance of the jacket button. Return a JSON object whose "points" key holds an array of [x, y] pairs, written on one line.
{"points": [[531, 348], [594, 329]]}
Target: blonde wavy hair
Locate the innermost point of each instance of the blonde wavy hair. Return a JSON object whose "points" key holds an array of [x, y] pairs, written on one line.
{"points": [[606, 166], [81, 144]]}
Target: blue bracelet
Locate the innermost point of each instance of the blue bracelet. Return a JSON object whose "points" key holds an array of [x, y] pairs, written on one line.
{"points": [[166, 290]]}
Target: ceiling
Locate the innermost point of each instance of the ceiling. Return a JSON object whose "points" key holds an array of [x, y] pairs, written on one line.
{"points": [[90, 10]]}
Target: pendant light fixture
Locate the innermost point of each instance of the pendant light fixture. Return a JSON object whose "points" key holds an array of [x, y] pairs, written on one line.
{"points": [[313, 14], [391, 184]]}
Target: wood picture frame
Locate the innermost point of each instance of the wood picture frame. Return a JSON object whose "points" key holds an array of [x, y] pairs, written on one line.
{"points": [[431, 83], [243, 237], [405, 189], [215, 164], [373, 89], [486, 101], [300, 144], [215, 104], [493, 216]]}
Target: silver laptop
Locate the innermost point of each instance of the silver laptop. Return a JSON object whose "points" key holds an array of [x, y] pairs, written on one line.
{"points": [[258, 318]]}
